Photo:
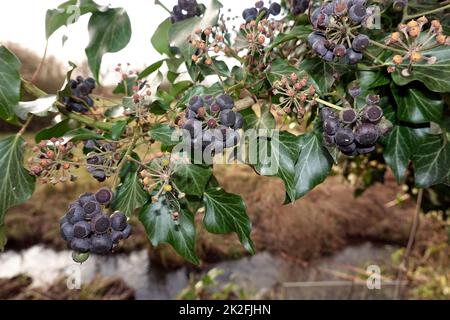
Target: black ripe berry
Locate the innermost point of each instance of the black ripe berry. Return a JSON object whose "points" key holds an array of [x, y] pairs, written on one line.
{"points": [[366, 134], [227, 118], [344, 137], [118, 221], [326, 113], [91, 208], [103, 196], [100, 223], [81, 229], [372, 113], [225, 102], [80, 245], [331, 125], [127, 231], [372, 99], [67, 231], [348, 116], [101, 244], [79, 100]]}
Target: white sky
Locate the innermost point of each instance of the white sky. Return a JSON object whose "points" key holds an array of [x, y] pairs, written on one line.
{"points": [[23, 21]]}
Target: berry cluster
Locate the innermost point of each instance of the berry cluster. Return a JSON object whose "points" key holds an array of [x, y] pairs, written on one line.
{"points": [[80, 101], [101, 159], [186, 9], [299, 6], [206, 43], [412, 39], [260, 11], [211, 123], [353, 131], [52, 161], [89, 230], [293, 95], [334, 23]]}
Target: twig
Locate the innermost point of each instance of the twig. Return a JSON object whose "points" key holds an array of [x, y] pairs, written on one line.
{"points": [[41, 64], [412, 235]]}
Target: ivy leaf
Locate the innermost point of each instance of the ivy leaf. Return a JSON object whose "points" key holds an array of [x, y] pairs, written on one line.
{"points": [[213, 90], [225, 213], [16, 185], [150, 69], [130, 195], [109, 31], [67, 13], [56, 131], [264, 121], [281, 153], [432, 161], [9, 84], [372, 79], [320, 72], [280, 67], [313, 165], [118, 129], [400, 145], [192, 179], [161, 228], [160, 39], [436, 77], [417, 106], [39, 107], [163, 133]]}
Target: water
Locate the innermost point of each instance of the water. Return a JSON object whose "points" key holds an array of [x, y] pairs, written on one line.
{"points": [[260, 274]]}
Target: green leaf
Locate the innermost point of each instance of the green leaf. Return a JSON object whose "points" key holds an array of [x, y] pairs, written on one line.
{"points": [[82, 134], [9, 84], [56, 131], [163, 133], [225, 213], [436, 77], [130, 195], [67, 13], [431, 161], [160, 39], [191, 178], [109, 31], [118, 129], [320, 72], [213, 90], [281, 152], [372, 79], [313, 165], [161, 228], [417, 106], [280, 67], [16, 185], [150, 69], [39, 107], [265, 121], [66, 90], [400, 145], [297, 32], [180, 31]]}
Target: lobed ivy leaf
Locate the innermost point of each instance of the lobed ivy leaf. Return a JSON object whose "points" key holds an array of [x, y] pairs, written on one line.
{"points": [[191, 179], [161, 228], [163, 133], [417, 105], [68, 13], [281, 153], [225, 213], [320, 72], [432, 161], [109, 31], [436, 77], [264, 121], [16, 184], [56, 131], [130, 194], [313, 165], [9, 84], [160, 39], [400, 146]]}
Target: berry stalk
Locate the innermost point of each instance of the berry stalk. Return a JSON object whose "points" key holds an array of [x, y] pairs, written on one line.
{"points": [[328, 104]]}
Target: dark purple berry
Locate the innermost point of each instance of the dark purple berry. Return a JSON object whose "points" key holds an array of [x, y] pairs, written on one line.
{"points": [[339, 50], [227, 117], [372, 113], [348, 116], [372, 99], [360, 42], [194, 127], [326, 113], [344, 137], [75, 214], [354, 90], [118, 221], [91, 208], [331, 125], [103, 196], [127, 231], [225, 102], [101, 244], [239, 121], [80, 245], [353, 57], [81, 229], [275, 9], [195, 103], [328, 140], [100, 223], [366, 134], [67, 231], [366, 150], [357, 13]]}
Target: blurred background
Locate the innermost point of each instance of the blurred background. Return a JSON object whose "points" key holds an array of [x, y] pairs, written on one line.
{"points": [[318, 248]]}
